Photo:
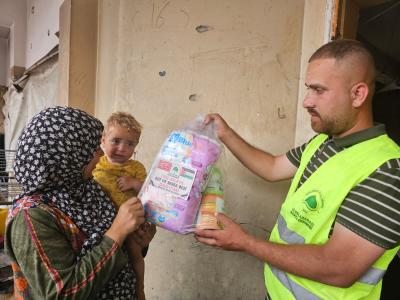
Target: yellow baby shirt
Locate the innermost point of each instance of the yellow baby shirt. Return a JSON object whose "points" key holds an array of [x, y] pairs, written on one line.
{"points": [[107, 174]]}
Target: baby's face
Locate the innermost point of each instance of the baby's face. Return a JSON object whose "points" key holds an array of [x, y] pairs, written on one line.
{"points": [[119, 144]]}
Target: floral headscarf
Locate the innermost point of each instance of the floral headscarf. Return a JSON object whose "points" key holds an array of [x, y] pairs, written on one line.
{"points": [[53, 150]]}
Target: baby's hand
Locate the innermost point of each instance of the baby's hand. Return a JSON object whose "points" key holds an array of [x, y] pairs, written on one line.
{"points": [[144, 234], [126, 183]]}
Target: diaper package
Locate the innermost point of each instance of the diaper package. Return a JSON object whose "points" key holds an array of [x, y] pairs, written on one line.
{"points": [[172, 192]]}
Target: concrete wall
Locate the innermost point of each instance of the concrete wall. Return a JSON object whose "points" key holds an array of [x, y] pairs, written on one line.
{"points": [[248, 64], [42, 25], [13, 16], [316, 32], [32, 24], [78, 54]]}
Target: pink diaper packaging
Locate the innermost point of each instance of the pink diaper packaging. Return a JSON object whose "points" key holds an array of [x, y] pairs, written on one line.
{"points": [[172, 191]]}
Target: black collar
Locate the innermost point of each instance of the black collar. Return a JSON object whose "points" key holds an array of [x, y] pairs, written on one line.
{"points": [[360, 136]]}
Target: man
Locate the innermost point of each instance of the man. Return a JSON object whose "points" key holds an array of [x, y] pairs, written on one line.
{"points": [[339, 226]]}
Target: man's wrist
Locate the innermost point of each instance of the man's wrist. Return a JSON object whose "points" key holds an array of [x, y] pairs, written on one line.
{"points": [[248, 243], [226, 134]]}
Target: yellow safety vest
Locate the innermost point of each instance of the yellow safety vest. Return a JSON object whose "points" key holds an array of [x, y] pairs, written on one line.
{"points": [[308, 213]]}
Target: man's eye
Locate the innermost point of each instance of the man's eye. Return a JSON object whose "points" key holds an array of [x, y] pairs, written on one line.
{"points": [[315, 89]]}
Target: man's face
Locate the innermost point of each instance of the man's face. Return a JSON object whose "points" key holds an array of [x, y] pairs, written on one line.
{"points": [[328, 99], [119, 143]]}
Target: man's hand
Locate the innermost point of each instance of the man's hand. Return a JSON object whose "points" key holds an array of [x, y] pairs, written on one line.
{"points": [[144, 234], [232, 237], [221, 128]]}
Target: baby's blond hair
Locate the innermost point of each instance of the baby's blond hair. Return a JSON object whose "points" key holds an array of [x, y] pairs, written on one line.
{"points": [[125, 120]]}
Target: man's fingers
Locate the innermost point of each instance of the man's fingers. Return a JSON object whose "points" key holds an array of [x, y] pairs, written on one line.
{"points": [[223, 220], [207, 119], [207, 241], [206, 233]]}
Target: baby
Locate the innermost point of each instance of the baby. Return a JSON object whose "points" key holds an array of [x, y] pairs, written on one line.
{"points": [[121, 177]]}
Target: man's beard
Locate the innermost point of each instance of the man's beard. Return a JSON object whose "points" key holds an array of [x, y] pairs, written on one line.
{"points": [[329, 126]]}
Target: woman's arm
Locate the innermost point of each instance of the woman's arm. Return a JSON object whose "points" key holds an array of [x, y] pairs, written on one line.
{"points": [[49, 263]]}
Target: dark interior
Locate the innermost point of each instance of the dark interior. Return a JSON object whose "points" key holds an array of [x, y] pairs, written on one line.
{"points": [[379, 30]]}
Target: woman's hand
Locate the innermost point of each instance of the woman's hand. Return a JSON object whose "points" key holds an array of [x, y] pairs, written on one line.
{"points": [[130, 216]]}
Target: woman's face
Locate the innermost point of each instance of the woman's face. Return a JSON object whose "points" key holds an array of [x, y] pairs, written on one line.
{"points": [[87, 171]]}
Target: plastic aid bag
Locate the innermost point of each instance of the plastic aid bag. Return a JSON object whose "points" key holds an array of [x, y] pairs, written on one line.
{"points": [[173, 190]]}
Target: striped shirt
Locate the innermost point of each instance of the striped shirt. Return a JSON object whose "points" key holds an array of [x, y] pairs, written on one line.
{"points": [[372, 208]]}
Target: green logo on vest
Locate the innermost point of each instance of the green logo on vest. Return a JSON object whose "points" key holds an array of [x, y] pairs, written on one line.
{"points": [[313, 201]]}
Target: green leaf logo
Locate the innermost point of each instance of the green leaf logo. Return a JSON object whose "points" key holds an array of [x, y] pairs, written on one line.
{"points": [[311, 202]]}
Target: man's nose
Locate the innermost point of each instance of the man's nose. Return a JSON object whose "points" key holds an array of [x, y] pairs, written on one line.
{"points": [[308, 101]]}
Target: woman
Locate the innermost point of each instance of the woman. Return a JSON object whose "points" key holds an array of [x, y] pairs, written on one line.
{"points": [[63, 234]]}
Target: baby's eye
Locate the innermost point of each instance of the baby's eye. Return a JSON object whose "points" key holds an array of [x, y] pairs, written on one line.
{"points": [[115, 141]]}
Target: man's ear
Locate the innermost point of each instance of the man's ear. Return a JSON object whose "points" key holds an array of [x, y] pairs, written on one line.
{"points": [[359, 93]]}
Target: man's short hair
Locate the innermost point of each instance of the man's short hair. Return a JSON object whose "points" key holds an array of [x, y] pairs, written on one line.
{"points": [[345, 49], [125, 120], [340, 49]]}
